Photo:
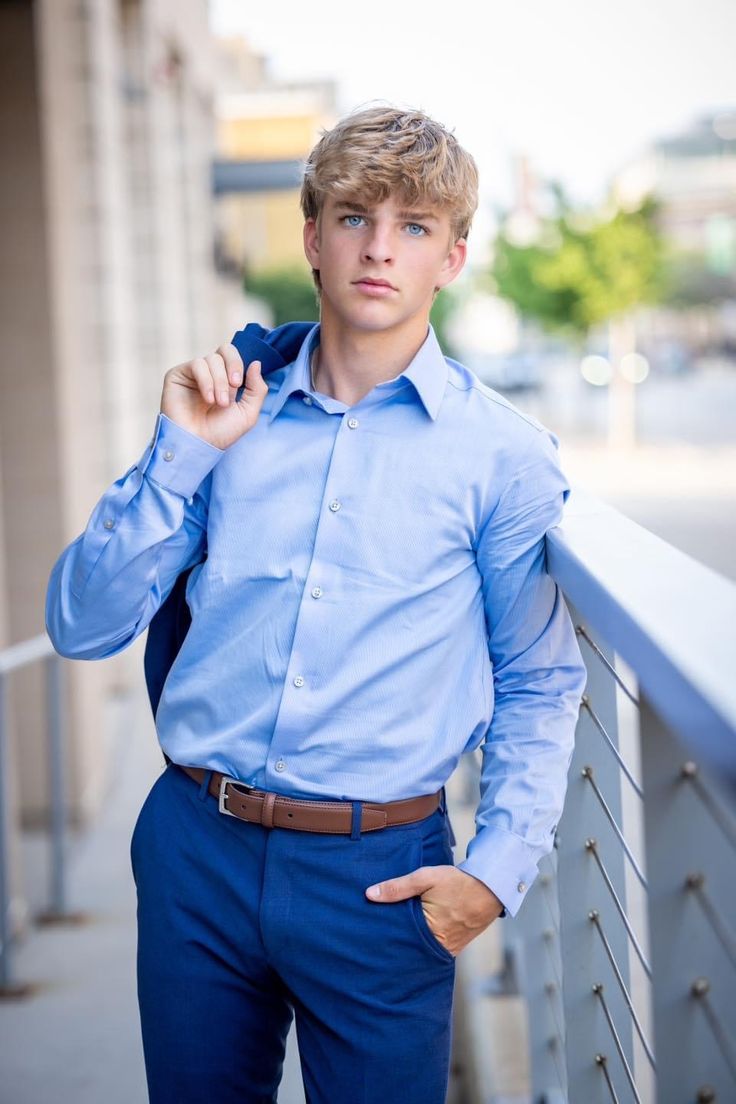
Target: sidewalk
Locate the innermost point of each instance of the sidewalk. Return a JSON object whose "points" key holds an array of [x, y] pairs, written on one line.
{"points": [[76, 1040]]}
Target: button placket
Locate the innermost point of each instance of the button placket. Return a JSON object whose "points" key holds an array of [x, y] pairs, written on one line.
{"points": [[325, 548]]}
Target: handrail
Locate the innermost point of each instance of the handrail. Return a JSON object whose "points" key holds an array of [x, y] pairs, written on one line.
{"points": [[682, 646], [14, 658], [27, 651]]}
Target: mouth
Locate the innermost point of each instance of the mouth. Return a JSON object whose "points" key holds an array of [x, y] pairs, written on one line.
{"points": [[374, 287]]}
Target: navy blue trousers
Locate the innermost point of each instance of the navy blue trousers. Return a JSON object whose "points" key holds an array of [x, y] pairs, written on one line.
{"points": [[242, 928]]}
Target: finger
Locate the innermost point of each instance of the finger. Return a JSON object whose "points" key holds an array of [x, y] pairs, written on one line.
{"points": [[203, 377], [398, 889], [219, 378], [233, 364]]}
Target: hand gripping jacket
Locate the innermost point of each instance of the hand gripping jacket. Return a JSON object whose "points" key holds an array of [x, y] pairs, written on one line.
{"points": [[170, 624]]}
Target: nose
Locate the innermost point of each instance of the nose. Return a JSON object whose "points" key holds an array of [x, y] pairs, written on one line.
{"points": [[377, 244]]}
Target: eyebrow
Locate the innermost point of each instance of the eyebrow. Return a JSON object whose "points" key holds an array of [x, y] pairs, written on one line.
{"points": [[361, 210]]}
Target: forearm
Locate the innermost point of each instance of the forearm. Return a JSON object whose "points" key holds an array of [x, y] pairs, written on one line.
{"points": [[146, 528], [525, 759]]}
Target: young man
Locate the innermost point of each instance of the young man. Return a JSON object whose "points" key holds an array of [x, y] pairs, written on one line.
{"points": [[369, 600]]}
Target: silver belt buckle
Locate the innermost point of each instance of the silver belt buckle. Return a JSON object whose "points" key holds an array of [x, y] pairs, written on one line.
{"points": [[223, 796]]}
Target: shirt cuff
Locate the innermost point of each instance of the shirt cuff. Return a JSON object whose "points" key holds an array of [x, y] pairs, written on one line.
{"points": [[504, 863], [177, 459]]}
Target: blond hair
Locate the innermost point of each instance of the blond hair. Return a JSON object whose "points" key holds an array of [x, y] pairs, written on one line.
{"points": [[379, 151]]}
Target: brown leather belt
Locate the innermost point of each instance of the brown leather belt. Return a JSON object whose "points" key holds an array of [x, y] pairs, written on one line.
{"points": [[274, 810]]}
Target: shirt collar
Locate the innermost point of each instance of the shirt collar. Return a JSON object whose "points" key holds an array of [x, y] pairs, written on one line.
{"points": [[427, 371]]}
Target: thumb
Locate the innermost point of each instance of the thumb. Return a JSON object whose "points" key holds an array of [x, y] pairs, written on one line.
{"points": [[254, 386], [398, 889]]}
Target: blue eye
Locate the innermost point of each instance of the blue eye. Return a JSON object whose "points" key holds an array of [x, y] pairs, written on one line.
{"points": [[347, 219], [416, 226]]}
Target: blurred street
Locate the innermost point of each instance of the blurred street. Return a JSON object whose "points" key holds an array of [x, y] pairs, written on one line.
{"points": [[679, 481]]}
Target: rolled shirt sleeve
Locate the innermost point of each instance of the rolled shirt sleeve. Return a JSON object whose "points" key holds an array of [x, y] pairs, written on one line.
{"points": [[538, 680], [149, 526]]}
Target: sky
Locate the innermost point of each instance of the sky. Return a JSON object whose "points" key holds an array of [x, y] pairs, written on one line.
{"points": [[578, 85]]}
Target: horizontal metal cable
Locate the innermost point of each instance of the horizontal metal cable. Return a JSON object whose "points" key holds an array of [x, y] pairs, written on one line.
{"points": [[587, 772], [690, 772], [598, 990], [592, 845], [553, 1046], [612, 670], [585, 702], [550, 989], [595, 917], [544, 881], [694, 883], [700, 989], [547, 937], [602, 1062]]}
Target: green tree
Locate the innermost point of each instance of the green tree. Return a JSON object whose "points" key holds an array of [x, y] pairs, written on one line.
{"points": [[583, 269], [444, 307], [289, 292]]}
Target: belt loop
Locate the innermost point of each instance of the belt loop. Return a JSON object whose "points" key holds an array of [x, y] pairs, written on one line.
{"points": [[204, 788], [443, 801], [357, 820]]}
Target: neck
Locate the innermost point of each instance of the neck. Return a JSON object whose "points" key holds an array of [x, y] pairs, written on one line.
{"points": [[349, 362]]}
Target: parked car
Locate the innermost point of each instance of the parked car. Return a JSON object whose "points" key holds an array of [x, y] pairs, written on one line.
{"points": [[517, 371]]}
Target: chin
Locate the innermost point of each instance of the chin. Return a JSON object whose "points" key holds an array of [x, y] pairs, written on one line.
{"points": [[371, 316]]}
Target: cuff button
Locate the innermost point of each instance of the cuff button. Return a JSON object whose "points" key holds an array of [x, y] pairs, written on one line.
{"points": [[521, 887]]}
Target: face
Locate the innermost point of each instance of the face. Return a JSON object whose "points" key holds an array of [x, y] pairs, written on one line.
{"points": [[379, 265]]}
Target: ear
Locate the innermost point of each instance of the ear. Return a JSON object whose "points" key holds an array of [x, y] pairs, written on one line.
{"points": [[311, 242], [453, 264]]}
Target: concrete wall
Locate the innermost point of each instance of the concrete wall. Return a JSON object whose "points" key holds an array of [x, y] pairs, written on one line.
{"points": [[107, 129]]}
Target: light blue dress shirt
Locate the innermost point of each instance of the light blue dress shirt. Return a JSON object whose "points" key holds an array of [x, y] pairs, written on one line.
{"points": [[374, 599]]}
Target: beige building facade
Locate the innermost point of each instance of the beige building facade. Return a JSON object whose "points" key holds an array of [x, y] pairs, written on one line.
{"points": [[108, 279], [265, 130]]}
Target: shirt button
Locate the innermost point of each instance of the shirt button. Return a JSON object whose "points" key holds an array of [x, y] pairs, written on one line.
{"points": [[353, 423], [280, 765], [335, 506], [317, 592], [307, 400], [298, 680], [169, 454], [109, 523], [521, 887]]}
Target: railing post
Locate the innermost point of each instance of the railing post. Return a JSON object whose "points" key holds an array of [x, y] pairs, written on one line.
{"points": [[533, 939], [57, 789], [690, 842], [588, 842], [6, 953]]}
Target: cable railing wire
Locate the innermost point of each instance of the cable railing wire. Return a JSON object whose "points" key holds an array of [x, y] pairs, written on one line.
{"points": [[585, 703], [595, 918], [611, 670], [690, 772], [587, 772], [598, 990], [700, 989], [592, 846], [602, 1062], [694, 883]]}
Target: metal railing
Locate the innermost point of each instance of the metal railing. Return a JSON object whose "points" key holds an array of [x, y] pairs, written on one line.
{"points": [[626, 944], [37, 650]]}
